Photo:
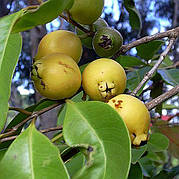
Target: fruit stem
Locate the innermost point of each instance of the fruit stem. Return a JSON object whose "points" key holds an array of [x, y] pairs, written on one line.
{"points": [[71, 21]]}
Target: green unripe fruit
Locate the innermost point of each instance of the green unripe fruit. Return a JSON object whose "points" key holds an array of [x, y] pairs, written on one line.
{"points": [[107, 42], [100, 23], [86, 11], [87, 41], [56, 76]]}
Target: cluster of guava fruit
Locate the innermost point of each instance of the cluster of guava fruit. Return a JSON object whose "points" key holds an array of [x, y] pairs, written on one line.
{"points": [[56, 74]]}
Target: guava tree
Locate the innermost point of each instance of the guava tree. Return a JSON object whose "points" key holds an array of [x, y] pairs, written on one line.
{"points": [[93, 139]]}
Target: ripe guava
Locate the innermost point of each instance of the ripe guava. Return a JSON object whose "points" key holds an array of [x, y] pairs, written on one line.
{"points": [[60, 41], [107, 41], [56, 76], [86, 11], [135, 115], [103, 79]]}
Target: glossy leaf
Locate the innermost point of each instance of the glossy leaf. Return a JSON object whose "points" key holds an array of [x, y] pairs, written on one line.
{"points": [[157, 142], [137, 153], [32, 155], [171, 132], [154, 157], [165, 63], [148, 50], [8, 62], [75, 163], [99, 130], [10, 46], [135, 77], [129, 61], [82, 67], [2, 152], [134, 15], [62, 112], [135, 172], [148, 167], [38, 15], [170, 76], [167, 174]]}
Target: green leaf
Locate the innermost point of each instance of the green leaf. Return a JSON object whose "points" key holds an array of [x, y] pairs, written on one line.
{"points": [[135, 172], [148, 167], [9, 61], [32, 155], [82, 67], [134, 15], [2, 153], [137, 153], [75, 163], [99, 130], [135, 77], [167, 174], [62, 112], [129, 61], [169, 106], [165, 63], [154, 157], [170, 76], [148, 50], [171, 132], [38, 15], [10, 46], [157, 142]]}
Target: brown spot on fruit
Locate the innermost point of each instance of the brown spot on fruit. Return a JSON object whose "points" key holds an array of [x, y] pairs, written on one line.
{"points": [[113, 100], [118, 103], [65, 65]]}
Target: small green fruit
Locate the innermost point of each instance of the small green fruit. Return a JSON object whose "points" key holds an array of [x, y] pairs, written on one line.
{"points": [[56, 76], [87, 41], [100, 23], [107, 42]]}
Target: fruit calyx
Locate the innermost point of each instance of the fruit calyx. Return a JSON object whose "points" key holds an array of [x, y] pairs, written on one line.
{"points": [[106, 89], [105, 42], [35, 74]]}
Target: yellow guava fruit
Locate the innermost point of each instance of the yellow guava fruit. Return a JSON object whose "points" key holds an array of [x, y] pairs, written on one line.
{"points": [[86, 11], [56, 76], [135, 115], [60, 41], [103, 79]]}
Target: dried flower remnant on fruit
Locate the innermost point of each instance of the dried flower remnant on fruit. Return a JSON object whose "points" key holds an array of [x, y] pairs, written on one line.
{"points": [[106, 42]]}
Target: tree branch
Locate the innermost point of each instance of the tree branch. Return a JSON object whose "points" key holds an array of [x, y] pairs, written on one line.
{"points": [[20, 110], [152, 104], [68, 19], [34, 115], [155, 67], [170, 33], [42, 131]]}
